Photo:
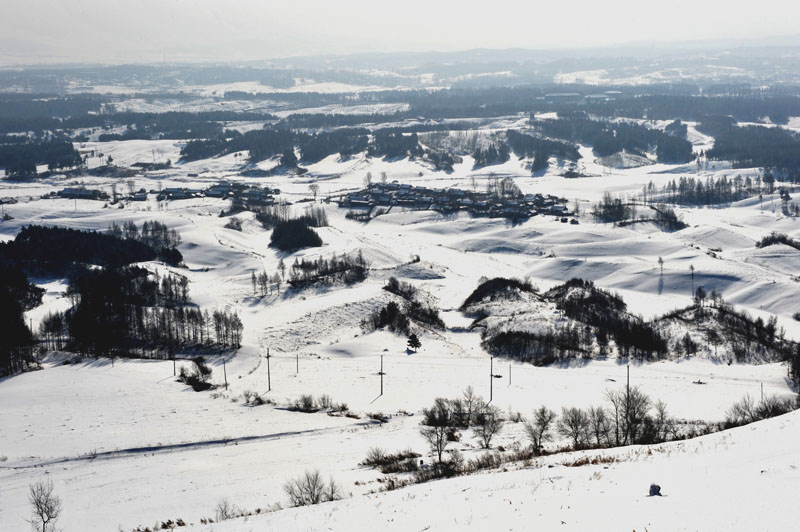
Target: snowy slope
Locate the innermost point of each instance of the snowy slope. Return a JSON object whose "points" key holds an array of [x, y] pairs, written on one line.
{"points": [[126, 445], [741, 480]]}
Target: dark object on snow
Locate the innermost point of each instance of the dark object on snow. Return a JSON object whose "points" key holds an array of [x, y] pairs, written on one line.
{"points": [[655, 490]]}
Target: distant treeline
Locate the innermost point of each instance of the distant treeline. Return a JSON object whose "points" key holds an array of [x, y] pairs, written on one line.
{"points": [[607, 138], [596, 317], [778, 238], [744, 108], [492, 154], [171, 124], [711, 191], [756, 146], [56, 250], [16, 340], [398, 318], [268, 143], [130, 311], [117, 309], [347, 269], [613, 209], [291, 233], [20, 158], [24, 105], [539, 149], [657, 102]]}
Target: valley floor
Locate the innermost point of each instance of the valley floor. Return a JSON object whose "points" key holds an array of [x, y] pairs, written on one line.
{"points": [[126, 445]]}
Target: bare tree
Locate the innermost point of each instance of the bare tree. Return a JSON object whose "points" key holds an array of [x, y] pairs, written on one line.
{"points": [[332, 491], [437, 439], [488, 424], [637, 408], [311, 489], [46, 506], [314, 188], [574, 424], [629, 409], [282, 269], [438, 425], [744, 411], [598, 421], [539, 428], [617, 421], [471, 404], [663, 424], [225, 510]]}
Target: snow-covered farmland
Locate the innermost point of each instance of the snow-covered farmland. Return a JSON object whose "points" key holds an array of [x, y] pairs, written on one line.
{"points": [[126, 445]]}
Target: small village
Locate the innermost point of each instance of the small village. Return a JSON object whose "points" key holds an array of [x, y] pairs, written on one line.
{"points": [[509, 205], [241, 194], [377, 198]]}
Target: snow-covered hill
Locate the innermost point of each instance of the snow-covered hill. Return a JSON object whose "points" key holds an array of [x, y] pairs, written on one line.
{"points": [[740, 480], [126, 445]]}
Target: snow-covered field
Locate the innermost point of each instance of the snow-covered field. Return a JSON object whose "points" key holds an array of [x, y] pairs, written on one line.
{"points": [[125, 445], [744, 479]]}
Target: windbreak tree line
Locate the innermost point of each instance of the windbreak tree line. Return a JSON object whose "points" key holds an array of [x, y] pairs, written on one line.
{"points": [[116, 309], [757, 146], [16, 341], [711, 191], [607, 138], [540, 149], [398, 318], [130, 311], [55, 250], [154, 234], [292, 232], [594, 318], [347, 269], [268, 143], [20, 159]]}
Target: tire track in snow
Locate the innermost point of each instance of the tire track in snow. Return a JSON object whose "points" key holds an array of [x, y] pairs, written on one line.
{"points": [[185, 446]]}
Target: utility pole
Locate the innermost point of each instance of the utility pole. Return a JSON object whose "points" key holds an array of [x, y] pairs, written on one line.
{"points": [[628, 383], [628, 403], [491, 378], [509, 375], [33, 336], [381, 374], [762, 393], [297, 363], [269, 378], [225, 373]]}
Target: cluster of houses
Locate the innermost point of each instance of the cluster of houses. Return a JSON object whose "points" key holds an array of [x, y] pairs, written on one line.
{"points": [[241, 193], [78, 193], [451, 200]]}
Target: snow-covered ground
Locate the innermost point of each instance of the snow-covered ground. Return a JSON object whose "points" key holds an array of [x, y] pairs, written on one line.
{"points": [[125, 445], [744, 479]]}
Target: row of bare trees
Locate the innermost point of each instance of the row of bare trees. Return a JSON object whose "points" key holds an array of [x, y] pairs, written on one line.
{"points": [[629, 417], [442, 422]]}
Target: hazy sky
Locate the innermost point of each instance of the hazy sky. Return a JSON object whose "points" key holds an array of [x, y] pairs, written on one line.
{"points": [[230, 30]]}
